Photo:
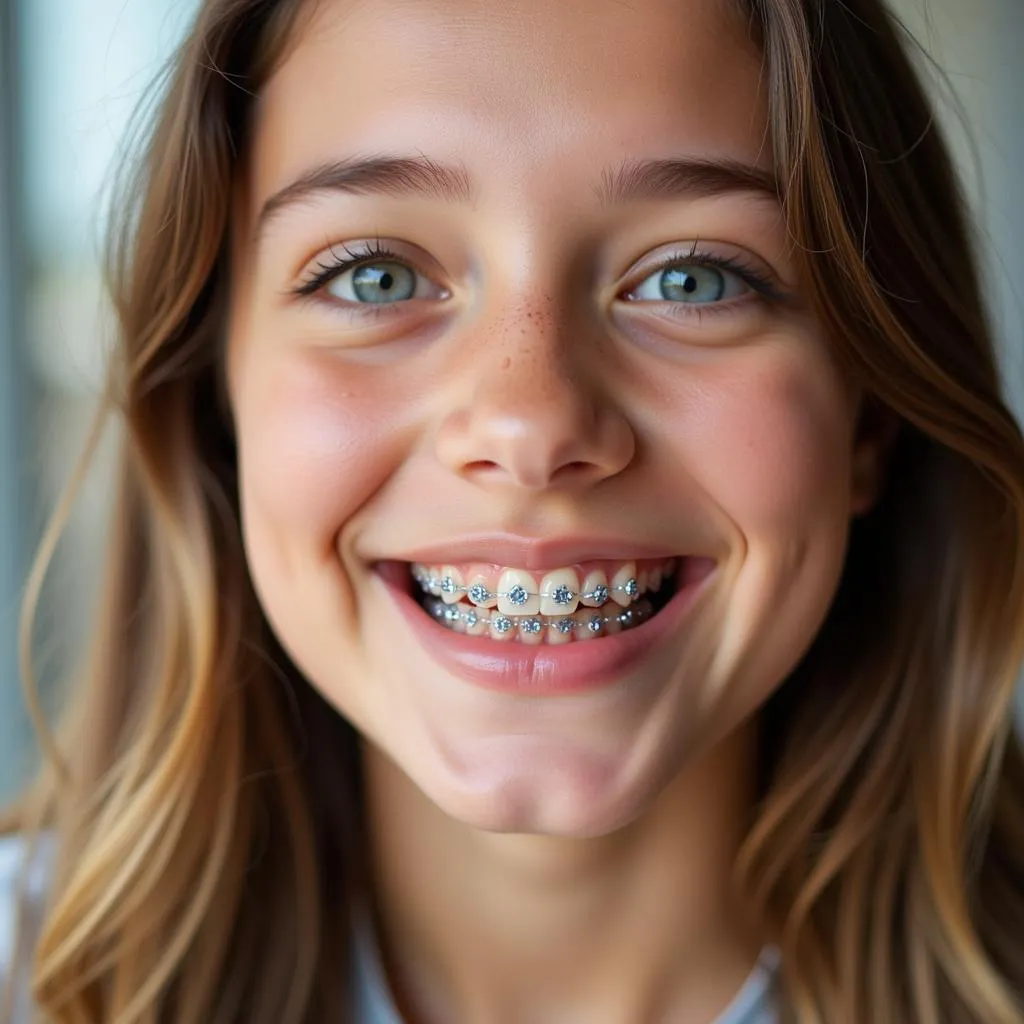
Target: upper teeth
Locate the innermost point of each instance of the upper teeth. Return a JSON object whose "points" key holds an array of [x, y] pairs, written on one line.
{"points": [[560, 592]]}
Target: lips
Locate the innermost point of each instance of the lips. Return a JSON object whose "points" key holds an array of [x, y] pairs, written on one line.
{"points": [[541, 659], [533, 555]]}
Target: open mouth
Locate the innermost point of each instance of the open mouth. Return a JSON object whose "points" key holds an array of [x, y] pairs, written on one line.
{"points": [[573, 604]]}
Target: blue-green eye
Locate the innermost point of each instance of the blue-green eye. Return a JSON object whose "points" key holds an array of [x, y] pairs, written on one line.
{"points": [[377, 283], [696, 284]]}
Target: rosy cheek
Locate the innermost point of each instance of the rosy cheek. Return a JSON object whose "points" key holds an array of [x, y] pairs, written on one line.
{"points": [[768, 440], [318, 440], [787, 457]]}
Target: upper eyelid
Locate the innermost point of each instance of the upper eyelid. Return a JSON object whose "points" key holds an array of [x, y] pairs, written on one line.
{"points": [[379, 252], [316, 272], [736, 259]]}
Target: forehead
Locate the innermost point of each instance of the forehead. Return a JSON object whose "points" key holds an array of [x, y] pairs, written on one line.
{"points": [[514, 89]]}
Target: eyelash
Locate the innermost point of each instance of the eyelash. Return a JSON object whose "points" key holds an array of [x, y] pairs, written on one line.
{"points": [[375, 252]]}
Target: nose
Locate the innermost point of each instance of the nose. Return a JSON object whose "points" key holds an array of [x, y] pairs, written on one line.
{"points": [[536, 416]]}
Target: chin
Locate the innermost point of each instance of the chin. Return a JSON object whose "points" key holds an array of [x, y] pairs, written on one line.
{"points": [[541, 792]]}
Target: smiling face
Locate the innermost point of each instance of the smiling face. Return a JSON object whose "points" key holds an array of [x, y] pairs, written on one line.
{"points": [[573, 342]]}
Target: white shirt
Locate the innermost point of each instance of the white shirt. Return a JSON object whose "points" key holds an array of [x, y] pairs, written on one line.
{"points": [[12, 851]]}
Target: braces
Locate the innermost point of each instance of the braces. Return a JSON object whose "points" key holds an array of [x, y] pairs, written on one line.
{"points": [[533, 624], [519, 595]]}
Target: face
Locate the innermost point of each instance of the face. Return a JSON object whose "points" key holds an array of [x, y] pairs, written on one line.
{"points": [[546, 470]]}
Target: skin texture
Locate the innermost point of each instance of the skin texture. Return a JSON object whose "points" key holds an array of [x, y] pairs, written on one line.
{"points": [[538, 859]]}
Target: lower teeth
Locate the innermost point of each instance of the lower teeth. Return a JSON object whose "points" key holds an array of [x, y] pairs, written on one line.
{"points": [[464, 618]]}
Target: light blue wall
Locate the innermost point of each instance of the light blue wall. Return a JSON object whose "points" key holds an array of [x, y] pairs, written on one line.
{"points": [[14, 746], [86, 65], [82, 65]]}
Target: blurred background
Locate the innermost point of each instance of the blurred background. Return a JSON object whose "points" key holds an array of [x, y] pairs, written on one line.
{"points": [[71, 73]]}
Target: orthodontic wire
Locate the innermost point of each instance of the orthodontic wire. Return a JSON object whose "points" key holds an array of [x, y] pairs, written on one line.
{"points": [[479, 594], [451, 614]]}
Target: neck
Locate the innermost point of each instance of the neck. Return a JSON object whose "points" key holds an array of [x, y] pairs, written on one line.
{"points": [[643, 924]]}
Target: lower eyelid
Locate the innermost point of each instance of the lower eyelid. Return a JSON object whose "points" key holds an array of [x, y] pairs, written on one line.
{"points": [[750, 301]]}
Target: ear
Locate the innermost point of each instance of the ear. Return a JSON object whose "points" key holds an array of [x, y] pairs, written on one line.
{"points": [[876, 431]]}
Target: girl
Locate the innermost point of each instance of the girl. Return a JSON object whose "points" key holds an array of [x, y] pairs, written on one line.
{"points": [[567, 561]]}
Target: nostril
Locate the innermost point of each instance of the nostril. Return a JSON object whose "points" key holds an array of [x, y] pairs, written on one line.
{"points": [[530, 474], [576, 471], [481, 466], [575, 468]]}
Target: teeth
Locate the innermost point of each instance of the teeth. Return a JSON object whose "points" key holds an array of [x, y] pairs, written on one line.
{"points": [[560, 630], [451, 584], [624, 586], [584, 624], [594, 591], [589, 625], [482, 599], [559, 592], [502, 627], [531, 630], [430, 582], [517, 593], [477, 623], [479, 594]]}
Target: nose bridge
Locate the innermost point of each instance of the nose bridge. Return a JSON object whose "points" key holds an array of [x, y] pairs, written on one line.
{"points": [[534, 414], [528, 361]]}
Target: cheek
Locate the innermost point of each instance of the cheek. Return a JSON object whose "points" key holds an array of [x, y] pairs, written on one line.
{"points": [[772, 451], [770, 442], [316, 441]]}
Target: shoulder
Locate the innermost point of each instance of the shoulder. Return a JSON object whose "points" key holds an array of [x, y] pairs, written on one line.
{"points": [[14, 851]]}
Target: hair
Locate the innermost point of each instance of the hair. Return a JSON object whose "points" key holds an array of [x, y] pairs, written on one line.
{"points": [[205, 855]]}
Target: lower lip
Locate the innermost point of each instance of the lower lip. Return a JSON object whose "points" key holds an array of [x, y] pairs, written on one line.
{"points": [[544, 670]]}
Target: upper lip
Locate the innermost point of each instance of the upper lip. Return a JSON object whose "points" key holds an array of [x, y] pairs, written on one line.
{"points": [[535, 555]]}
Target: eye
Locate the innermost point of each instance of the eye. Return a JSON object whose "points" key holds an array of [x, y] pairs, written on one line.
{"points": [[382, 282], [368, 274], [696, 284]]}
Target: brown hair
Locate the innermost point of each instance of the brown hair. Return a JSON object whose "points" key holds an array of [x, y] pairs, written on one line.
{"points": [[187, 786]]}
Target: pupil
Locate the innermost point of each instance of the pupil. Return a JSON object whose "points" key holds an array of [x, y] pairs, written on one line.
{"points": [[689, 285], [386, 281]]}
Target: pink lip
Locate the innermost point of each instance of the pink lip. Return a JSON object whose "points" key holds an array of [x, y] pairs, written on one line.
{"points": [[543, 670], [531, 554]]}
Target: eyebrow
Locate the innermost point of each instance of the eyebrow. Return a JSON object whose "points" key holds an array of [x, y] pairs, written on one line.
{"points": [[419, 176], [396, 176], [684, 179]]}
